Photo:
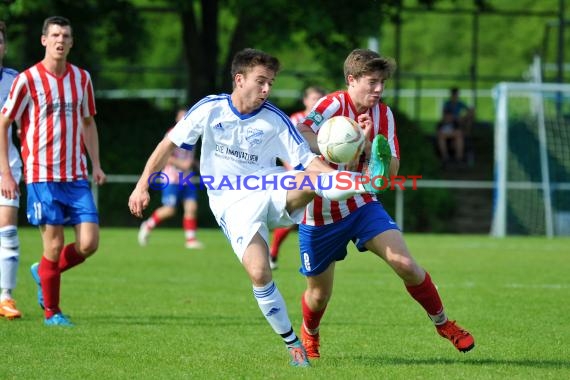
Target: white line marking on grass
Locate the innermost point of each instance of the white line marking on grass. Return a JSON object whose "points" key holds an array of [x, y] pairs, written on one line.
{"points": [[539, 286], [471, 284]]}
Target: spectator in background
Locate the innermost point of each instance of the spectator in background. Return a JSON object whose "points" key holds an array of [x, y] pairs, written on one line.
{"points": [[9, 242], [54, 98], [448, 129], [455, 125], [181, 161], [311, 96]]}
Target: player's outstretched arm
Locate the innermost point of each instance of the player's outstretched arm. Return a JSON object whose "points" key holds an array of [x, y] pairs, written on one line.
{"points": [[140, 197]]}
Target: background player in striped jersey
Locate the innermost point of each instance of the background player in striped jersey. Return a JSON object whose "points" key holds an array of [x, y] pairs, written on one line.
{"points": [[9, 242], [181, 161], [242, 135], [54, 105], [330, 225], [310, 97]]}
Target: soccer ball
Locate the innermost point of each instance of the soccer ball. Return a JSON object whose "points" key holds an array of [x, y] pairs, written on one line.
{"points": [[340, 139]]}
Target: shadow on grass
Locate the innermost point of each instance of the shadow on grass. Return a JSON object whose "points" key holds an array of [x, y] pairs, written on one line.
{"points": [[375, 361], [178, 320]]}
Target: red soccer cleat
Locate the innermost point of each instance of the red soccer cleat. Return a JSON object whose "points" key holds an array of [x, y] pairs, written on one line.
{"points": [[460, 338], [311, 343]]}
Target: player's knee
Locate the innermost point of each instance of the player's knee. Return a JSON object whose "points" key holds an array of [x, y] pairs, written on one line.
{"points": [[87, 248], [169, 212], [407, 269], [259, 276], [318, 297]]}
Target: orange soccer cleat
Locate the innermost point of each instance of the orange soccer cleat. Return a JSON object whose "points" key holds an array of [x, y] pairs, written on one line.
{"points": [[460, 338], [8, 309], [311, 343]]}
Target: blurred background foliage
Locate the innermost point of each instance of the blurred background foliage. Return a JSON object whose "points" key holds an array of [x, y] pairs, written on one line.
{"points": [[187, 45]]}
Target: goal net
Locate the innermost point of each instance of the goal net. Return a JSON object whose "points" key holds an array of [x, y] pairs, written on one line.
{"points": [[532, 159]]}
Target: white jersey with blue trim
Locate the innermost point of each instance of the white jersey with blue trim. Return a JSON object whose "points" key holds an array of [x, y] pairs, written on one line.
{"points": [[7, 76], [235, 146]]}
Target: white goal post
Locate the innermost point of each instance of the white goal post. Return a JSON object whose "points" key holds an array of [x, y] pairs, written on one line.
{"points": [[532, 159]]}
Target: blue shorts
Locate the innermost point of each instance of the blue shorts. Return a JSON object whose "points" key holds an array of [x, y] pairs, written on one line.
{"points": [[172, 193], [61, 203], [320, 246]]}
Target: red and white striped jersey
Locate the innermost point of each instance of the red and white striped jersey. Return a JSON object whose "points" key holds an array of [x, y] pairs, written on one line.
{"points": [[321, 211], [50, 112], [297, 117]]}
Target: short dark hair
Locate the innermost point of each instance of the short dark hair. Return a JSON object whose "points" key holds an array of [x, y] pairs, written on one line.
{"points": [[361, 62], [318, 89], [248, 58], [55, 20]]}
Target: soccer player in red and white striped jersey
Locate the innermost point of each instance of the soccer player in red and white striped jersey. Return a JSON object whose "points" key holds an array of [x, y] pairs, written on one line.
{"points": [[329, 226], [54, 105], [380, 116]]}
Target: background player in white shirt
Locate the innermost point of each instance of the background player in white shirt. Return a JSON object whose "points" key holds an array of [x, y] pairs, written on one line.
{"points": [[9, 242], [242, 136], [329, 225], [54, 104]]}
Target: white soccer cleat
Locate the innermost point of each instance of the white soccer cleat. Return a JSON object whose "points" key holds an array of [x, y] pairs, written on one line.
{"points": [[143, 234], [273, 263], [194, 244]]}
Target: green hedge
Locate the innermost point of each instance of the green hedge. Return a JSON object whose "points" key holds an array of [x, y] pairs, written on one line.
{"points": [[130, 129]]}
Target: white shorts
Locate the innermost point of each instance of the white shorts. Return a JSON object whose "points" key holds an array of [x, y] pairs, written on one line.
{"points": [[17, 174], [259, 211]]}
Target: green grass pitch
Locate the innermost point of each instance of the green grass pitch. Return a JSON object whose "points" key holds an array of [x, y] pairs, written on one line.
{"points": [[165, 312]]}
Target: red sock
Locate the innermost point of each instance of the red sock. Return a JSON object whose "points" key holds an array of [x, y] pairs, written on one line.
{"points": [[153, 221], [311, 319], [50, 279], [69, 258], [279, 235], [426, 294], [190, 225]]}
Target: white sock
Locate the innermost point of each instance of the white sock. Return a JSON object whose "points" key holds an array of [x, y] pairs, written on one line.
{"points": [[339, 185], [272, 305], [6, 295], [438, 319], [9, 256], [8, 269]]}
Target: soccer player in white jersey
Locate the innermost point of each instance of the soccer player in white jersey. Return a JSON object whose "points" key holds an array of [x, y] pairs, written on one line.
{"points": [[9, 242], [242, 136], [329, 226], [54, 105]]}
